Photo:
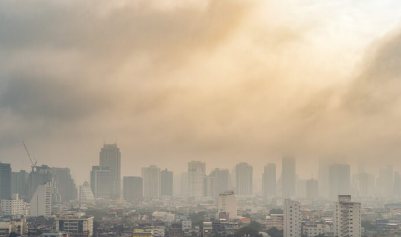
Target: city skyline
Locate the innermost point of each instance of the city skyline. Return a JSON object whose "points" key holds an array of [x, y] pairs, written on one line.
{"points": [[268, 79]]}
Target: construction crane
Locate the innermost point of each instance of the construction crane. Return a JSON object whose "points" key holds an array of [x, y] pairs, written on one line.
{"points": [[30, 158]]}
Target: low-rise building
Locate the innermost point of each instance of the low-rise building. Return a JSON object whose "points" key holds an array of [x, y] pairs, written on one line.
{"points": [[76, 226], [14, 206], [275, 221]]}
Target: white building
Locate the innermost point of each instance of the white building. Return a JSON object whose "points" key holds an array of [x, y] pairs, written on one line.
{"points": [[347, 217], [186, 226], [14, 206], [76, 225], [196, 175], [314, 230], [41, 202], [292, 218], [163, 216], [85, 194], [228, 203]]}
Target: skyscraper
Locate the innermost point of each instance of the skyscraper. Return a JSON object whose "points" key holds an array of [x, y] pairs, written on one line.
{"points": [[110, 156], [100, 181], [347, 217], [339, 180], [184, 186], [244, 179], [385, 182], [133, 189], [19, 184], [151, 181], [323, 177], [196, 174], [65, 184], [41, 202], [221, 180], [39, 176], [312, 189], [5, 181], [269, 181], [288, 177], [292, 218], [166, 183]]}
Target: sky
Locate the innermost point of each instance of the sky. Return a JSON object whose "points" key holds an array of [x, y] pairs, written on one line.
{"points": [[221, 81]]}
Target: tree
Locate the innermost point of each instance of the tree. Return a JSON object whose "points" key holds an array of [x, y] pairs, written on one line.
{"points": [[13, 234], [255, 225], [274, 232], [247, 231]]}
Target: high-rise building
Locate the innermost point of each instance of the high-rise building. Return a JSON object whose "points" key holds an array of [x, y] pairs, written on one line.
{"points": [[196, 174], [385, 182], [301, 188], [397, 184], [151, 181], [221, 181], [133, 189], [39, 176], [347, 217], [110, 156], [85, 193], [269, 181], [244, 179], [64, 183], [288, 177], [323, 177], [5, 181], [184, 185], [365, 184], [41, 202], [312, 189], [76, 226], [339, 180], [100, 181], [209, 186], [228, 203], [292, 218], [19, 183], [167, 182]]}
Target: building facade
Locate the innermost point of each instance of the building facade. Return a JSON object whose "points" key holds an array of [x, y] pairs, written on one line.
{"points": [[133, 189], [100, 181], [244, 179], [41, 202], [76, 226], [5, 181], [228, 203], [347, 217], [288, 177], [196, 174], [292, 218], [269, 181], [110, 156], [151, 181], [167, 180]]}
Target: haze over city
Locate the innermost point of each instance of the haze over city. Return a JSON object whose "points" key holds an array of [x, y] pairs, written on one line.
{"points": [[216, 81]]}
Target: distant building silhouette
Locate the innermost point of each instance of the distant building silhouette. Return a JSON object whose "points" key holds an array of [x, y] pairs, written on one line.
{"points": [[312, 189], [244, 179], [100, 181], [110, 156], [196, 174], [19, 184], [288, 177], [339, 180], [151, 182], [85, 193], [269, 181], [5, 181], [133, 189], [167, 180]]}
